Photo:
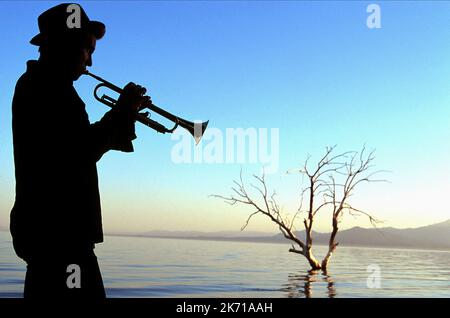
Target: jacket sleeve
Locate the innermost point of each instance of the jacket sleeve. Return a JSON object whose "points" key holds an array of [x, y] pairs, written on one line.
{"points": [[115, 131]]}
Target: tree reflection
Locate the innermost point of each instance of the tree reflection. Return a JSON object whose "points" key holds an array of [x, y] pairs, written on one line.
{"points": [[301, 285]]}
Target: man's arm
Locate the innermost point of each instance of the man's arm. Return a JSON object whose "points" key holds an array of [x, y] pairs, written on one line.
{"points": [[116, 130]]}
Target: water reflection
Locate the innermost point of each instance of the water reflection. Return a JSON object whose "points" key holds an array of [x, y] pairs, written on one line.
{"points": [[301, 285]]}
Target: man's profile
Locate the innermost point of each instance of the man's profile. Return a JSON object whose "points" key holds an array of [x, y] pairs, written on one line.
{"points": [[56, 218]]}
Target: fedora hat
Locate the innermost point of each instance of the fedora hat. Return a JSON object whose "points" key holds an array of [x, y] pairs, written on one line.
{"points": [[54, 24]]}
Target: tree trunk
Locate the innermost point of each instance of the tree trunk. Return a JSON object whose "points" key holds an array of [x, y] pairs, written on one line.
{"points": [[312, 260], [326, 259], [331, 244]]}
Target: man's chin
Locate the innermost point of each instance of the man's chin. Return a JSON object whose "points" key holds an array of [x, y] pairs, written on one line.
{"points": [[76, 76]]}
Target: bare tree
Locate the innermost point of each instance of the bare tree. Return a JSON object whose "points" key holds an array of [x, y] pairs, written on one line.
{"points": [[333, 179]]}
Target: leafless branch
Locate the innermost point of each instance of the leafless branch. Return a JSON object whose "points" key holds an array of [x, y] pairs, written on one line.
{"points": [[334, 179]]}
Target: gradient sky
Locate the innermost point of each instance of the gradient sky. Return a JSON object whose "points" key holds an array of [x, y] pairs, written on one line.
{"points": [[315, 71]]}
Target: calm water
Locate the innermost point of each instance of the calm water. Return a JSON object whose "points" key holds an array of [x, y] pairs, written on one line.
{"points": [[151, 267]]}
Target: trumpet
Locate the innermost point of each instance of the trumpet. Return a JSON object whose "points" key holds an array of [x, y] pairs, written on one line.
{"points": [[195, 129]]}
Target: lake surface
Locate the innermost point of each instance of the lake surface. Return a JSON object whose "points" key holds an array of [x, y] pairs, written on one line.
{"points": [[154, 267]]}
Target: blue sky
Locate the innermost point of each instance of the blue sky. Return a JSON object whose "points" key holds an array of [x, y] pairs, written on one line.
{"points": [[314, 70]]}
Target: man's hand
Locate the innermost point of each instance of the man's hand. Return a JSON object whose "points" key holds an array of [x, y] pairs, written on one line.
{"points": [[132, 98]]}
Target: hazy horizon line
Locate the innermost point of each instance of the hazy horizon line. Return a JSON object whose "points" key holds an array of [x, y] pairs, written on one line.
{"points": [[246, 233]]}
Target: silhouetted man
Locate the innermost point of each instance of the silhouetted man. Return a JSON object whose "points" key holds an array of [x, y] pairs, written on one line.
{"points": [[56, 218]]}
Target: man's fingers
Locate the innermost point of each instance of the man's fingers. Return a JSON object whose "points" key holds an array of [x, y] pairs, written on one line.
{"points": [[141, 90], [133, 89], [129, 86], [133, 96]]}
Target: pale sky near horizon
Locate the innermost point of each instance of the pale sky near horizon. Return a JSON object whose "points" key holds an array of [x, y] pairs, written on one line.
{"points": [[314, 71]]}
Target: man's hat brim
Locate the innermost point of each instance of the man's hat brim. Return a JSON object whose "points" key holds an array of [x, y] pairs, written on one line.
{"points": [[96, 28]]}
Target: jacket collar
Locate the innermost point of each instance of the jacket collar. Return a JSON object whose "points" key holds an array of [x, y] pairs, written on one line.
{"points": [[47, 73]]}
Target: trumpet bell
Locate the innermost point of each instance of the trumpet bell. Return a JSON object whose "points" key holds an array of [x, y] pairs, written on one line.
{"points": [[195, 129]]}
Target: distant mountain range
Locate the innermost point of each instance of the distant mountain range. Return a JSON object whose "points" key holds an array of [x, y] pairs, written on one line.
{"points": [[435, 236]]}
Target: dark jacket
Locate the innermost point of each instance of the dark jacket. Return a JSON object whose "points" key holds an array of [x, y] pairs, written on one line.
{"points": [[57, 206]]}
